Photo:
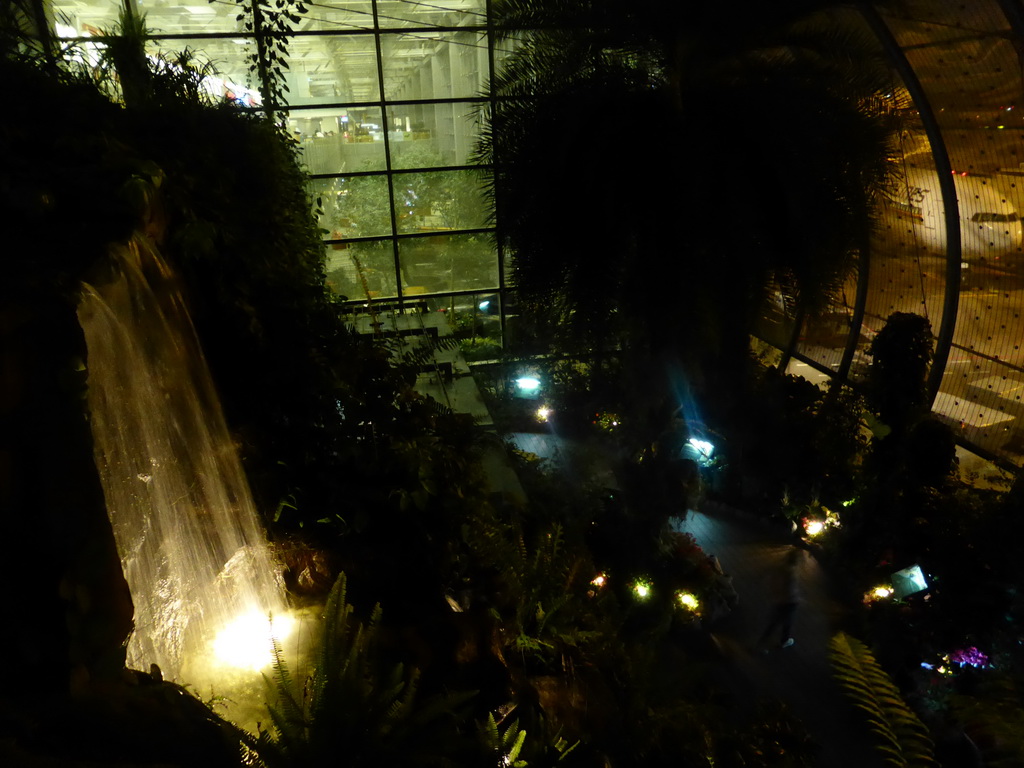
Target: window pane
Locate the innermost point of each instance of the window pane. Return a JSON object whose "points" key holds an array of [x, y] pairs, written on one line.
{"points": [[428, 135], [476, 321], [434, 65], [332, 69], [447, 263], [362, 270], [82, 18], [354, 206], [503, 49], [449, 13], [197, 17], [439, 200], [339, 140], [229, 58], [337, 16]]}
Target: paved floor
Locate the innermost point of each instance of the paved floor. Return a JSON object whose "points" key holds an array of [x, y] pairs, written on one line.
{"points": [[447, 378], [752, 553]]}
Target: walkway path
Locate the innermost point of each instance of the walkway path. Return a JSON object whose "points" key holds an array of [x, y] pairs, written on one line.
{"points": [[752, 552]]}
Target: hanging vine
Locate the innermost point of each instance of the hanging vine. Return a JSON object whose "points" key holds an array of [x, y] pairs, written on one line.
{"points": [[271, 22]]}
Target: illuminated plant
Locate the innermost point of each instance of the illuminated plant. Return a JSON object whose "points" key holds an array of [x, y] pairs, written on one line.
{"points": [[642, 588], [354, 703], [688, 601], [881, 592]]}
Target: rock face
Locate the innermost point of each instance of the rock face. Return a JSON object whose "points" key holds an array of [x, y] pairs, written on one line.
{"points": [[70, 610]]}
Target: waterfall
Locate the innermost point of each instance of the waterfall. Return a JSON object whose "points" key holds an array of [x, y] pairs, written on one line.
{"points": [[191, 543]]}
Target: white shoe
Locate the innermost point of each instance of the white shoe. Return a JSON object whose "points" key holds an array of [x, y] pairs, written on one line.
{"points": [[789, 641]]}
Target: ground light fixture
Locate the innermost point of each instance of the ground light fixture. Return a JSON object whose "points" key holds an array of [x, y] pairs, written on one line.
{"points": [[879, 593], [699, 450], [908, 581], [642, 589], [544, 413], [688, 600], [814, 527], [527, 386]]}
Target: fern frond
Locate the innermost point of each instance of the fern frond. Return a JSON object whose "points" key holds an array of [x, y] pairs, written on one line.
{"points": [[899, 735], [291, 711], [357, 705]]}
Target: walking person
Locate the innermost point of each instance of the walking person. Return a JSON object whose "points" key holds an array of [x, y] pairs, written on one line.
{"points": [[786, 595]]}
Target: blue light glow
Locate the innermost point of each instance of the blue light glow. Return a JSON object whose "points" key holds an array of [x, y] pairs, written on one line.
{"points": [[702, 446]]}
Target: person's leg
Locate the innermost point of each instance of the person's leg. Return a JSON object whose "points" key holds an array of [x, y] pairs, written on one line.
{"points": [[775, 619], [786, 622]]}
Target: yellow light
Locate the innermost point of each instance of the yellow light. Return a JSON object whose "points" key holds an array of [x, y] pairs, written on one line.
{"points": [[688, 601], [642, 589], [245, 643], [881, 592], [600, 580], [543, 413], [814, 527]]}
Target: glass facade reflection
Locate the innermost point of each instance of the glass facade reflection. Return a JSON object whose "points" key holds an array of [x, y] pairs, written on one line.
{"points": [[949, 244], [383, 97]]}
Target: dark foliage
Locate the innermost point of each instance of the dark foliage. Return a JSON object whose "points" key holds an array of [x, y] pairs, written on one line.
{"points": [[901, 355], [635, 247]]}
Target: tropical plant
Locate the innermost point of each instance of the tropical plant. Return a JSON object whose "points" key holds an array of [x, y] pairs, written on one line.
{"points": [[356, 706], [539, 589], [757, 130], [505, 745], [898, 735], [993, 718], [901, 355], [273, 21], [793, 439], [508, 745]]}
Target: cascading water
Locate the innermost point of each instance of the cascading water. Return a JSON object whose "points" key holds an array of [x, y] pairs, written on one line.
{"points": [[192, 547]]}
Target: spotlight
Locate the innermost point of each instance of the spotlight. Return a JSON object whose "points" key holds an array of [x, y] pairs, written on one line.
{"points": [[688, 600], [528, 386], [246, 642]]}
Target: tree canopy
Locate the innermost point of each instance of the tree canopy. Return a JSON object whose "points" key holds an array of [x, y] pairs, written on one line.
{"points": [[658, 170]]}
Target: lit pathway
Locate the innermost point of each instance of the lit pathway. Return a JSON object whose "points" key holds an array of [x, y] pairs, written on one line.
{"points": [[751, 552]]}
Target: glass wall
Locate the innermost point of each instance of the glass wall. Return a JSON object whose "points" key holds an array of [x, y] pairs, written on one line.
{"points": [[383, 97], [968, 61], [964, 60], [382, 102]]}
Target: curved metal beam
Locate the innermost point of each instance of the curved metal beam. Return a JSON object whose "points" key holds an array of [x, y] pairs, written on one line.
{"points": [[951, 302]]}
